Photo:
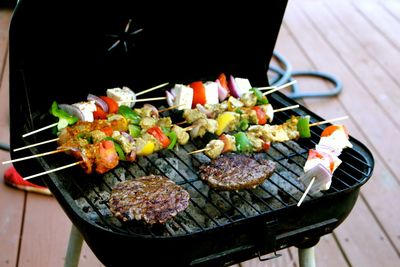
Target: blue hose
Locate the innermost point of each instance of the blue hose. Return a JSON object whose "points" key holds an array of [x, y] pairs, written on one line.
{"points": [[285, 74]]}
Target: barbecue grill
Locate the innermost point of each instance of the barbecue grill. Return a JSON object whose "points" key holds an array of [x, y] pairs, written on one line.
{"points": [[126, 44]]}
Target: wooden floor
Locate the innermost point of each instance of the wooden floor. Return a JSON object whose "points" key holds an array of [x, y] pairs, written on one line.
{"points": [[357, 41]]}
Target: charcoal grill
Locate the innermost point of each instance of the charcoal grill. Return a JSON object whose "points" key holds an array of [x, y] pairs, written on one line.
{"points": [[127, 44]]}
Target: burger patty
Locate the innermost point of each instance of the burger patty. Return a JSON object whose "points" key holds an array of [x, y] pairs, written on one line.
{"points": [[153, 198], [236, 171]]}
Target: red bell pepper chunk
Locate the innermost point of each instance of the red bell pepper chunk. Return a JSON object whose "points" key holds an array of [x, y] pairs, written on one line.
{"points": [[199, 93], [312, 154], [330, 129], [160, 136], [261, 115], [223, 81], [99, 114], [112, 105]]}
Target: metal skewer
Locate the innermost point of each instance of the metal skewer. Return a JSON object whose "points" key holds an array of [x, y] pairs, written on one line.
{"points": [[329, 121], [54, 170], [286, 108], [169, 108], [306, 192], [36, 156], [150, 99], [199, 150], [39, 130], [152, 88], [36, 144], [266, 88], [280, 87]]}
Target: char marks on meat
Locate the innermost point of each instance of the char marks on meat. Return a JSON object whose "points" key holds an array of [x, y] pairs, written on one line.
{"points": [[236, 171], [153, 198]]}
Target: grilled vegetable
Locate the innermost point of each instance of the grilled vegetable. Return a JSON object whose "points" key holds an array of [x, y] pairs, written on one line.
{"points": [[99, 114], [199, 93], [111, 103], [134, 130], [261, 115], [144, 148], [261, 99], [160, 136], [117, 147], [303, 126], [224, 121], [129, 114], [242, 143], [65, 119], [173, 138]]}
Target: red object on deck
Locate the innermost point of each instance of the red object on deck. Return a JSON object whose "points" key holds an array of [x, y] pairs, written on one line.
{"points": [[12, 178]]}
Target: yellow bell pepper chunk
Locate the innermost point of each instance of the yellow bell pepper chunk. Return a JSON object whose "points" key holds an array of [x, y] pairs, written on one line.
{"points": [[224, 120], [147, 149]]}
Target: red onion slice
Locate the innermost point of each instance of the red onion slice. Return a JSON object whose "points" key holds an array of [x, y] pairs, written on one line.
{"points": [[203, 110], [222, 92], [323, 178], [154, 110], [128, 136], [170, 98], [98, 101], [234, 88], [72, 110]]}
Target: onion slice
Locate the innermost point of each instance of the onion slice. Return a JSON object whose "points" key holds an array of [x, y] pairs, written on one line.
{"points": [[72, 110], [222, 92], [170, 98], [234, 88], [98, 101], [323, 178], [154, 110]]}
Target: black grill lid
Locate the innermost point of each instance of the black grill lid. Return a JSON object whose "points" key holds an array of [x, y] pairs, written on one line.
{"points": [[64, 50]]}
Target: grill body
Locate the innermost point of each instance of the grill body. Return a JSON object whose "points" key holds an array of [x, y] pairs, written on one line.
{"points": [[123, 43]]}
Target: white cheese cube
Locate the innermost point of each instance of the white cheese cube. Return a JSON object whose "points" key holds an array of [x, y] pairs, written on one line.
{"points": [[243, 84], [123, 96], [183, 96], [211, 92], [87, 108]]}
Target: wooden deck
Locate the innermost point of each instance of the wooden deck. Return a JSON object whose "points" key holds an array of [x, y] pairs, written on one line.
{"points": [[359, 42]]}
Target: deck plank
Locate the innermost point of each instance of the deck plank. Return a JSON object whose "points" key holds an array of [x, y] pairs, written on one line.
{"points": [[376, 191], [329, 109], [367, 35], [354, 100], [362, 64], [380, 19], [11, 204]]}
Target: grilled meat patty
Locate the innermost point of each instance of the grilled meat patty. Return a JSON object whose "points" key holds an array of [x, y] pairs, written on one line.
{"points": [[236, 171], [153, 198]]}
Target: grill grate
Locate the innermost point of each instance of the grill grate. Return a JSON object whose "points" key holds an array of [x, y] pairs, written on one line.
{"points": [[209, 209]]}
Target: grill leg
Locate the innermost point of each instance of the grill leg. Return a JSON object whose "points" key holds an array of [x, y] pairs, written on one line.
{"points": [[74, 248], [307, 257]]}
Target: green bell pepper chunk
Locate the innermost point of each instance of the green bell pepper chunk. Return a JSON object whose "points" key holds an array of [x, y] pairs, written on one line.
{"points": [[303, 127], [242, 143], [118, 148], [173, 138], [129, 114], [65, 119], [261, 99], [244, 124], [134, 130]]}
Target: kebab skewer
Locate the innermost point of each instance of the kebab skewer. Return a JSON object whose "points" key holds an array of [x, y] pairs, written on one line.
{"points": [[324, 159], [96, 106], [258, 138]]}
